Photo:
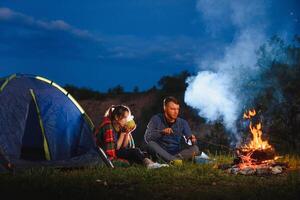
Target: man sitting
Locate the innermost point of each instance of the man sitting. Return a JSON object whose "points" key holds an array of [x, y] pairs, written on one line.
{"points": [[165, 132]]}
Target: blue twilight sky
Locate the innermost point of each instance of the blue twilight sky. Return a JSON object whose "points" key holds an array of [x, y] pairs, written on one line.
{"points": [[100, 44]]}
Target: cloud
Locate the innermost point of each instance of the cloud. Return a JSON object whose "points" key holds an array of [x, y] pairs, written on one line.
{"points": [[8, 15], [24, 37]]}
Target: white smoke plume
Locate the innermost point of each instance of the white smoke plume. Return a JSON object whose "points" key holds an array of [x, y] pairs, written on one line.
{"points": [[217, 91]]}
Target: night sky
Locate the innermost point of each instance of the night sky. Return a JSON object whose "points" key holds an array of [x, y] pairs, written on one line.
{"points": [[100, 44]]}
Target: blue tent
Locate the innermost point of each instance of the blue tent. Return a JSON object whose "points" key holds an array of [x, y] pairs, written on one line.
{"points": [[41, 124]]}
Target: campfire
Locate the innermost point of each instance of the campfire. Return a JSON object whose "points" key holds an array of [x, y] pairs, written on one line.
{"points": [[257, 156]]}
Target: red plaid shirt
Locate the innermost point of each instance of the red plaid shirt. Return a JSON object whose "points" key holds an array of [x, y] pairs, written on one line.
{"points": [[106, 138]]}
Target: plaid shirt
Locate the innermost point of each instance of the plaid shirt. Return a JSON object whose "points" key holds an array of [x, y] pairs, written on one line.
{"points": [[106, 138]]}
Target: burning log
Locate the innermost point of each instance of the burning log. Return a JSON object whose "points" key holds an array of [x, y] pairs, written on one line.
{"points": [[262, 155], [256, 155]]}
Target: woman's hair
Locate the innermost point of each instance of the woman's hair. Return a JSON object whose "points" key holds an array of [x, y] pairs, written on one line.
{"points": [[116, 111]]}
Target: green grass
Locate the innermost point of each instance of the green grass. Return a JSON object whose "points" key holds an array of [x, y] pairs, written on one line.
{"points": [[190, 181]]}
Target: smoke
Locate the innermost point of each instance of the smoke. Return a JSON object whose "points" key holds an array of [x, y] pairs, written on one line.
{"points": [[219, 92], [215, 101]]}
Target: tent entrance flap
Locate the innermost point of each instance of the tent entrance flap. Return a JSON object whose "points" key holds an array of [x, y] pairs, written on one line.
{"points": [[34, 142]]}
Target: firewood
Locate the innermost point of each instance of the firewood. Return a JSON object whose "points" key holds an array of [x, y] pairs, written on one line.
{"points": [[265, 154]]}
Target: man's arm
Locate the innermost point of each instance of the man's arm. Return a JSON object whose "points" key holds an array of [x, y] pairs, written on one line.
{"points": [[152, 132]]}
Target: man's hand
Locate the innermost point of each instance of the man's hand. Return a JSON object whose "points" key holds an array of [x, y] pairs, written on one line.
{"points": [[167, 131]]}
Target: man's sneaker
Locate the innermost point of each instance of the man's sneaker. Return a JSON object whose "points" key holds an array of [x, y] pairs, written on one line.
{"points": [[156, 165]]}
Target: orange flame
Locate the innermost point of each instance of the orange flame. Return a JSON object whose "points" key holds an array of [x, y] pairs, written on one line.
{"points": [[256, 131], [251, 113]]}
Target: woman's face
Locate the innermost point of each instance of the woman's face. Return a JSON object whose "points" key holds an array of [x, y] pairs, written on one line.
{"points": [[122, 120]]}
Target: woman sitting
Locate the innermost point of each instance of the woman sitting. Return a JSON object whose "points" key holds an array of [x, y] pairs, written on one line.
{"points": [[113, 136]]}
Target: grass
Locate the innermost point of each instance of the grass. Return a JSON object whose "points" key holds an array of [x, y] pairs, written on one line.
{"points": [[190, 181]]}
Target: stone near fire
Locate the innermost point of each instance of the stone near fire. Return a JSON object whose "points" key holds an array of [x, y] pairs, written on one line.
{"points": [[234, 170], [247, 171], [276, 170], [262, 170]]}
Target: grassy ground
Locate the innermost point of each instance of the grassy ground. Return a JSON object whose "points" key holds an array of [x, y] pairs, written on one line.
{"points": [[190, 181]]}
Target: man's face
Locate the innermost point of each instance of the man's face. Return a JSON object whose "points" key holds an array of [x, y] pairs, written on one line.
{"points": [[171, 110]]}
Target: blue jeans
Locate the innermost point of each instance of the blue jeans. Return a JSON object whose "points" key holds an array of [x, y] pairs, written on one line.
{"points": [[155, 150]]}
